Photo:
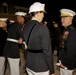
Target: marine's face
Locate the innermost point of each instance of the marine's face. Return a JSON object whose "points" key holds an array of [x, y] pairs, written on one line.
{"points": [[55, 25], [66, 21], [3, 24], [20, 19]]}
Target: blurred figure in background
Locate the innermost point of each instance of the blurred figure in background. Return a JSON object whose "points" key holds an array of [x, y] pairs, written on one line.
{"points": [[45, 23], [3, 37], [56, 37]]}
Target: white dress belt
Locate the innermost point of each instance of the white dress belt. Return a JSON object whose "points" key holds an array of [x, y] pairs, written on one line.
{"points": [[14, 40]]}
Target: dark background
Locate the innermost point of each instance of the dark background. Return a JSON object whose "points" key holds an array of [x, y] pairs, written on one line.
{"points": [[51, 6]]}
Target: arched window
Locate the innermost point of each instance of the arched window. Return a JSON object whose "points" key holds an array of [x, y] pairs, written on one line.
{"points": [[5, 8]]}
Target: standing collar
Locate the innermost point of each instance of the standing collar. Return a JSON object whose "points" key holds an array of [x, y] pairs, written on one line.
{"points": [[68, 26], [35, 19]]}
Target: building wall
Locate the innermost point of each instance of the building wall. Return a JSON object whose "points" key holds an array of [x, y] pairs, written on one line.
{"points": [[11, 9]]}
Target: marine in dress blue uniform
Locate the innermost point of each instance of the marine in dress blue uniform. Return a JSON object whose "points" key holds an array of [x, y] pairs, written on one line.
{"points": [[67, 55], [11, 50]]}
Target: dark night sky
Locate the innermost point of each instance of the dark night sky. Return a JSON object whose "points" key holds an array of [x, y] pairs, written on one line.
{"points": [[51, 6]]}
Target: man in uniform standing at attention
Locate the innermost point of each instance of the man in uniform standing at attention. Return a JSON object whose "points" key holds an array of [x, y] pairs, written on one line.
{"points": [[39, 58], [67, 54], [11, 50]]}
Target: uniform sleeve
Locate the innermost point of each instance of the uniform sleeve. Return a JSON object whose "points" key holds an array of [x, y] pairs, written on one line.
{"points": [[23, 40], [71, 48], [46, 46], [19, 31]]}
